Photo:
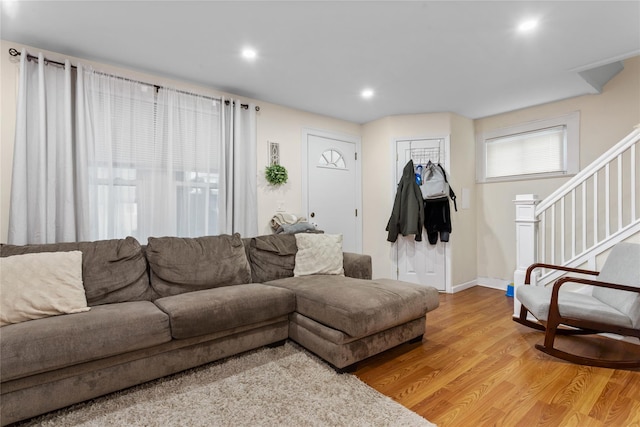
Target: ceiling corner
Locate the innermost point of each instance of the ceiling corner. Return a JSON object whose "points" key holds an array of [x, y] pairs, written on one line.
{"points": [[597, 77]]}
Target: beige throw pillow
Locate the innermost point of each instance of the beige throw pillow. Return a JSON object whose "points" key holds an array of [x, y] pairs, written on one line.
{"points": [[318, 254], [37, 285]]}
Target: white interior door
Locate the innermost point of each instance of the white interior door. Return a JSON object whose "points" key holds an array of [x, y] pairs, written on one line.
{"points": [[332, 186], [421, 262]]}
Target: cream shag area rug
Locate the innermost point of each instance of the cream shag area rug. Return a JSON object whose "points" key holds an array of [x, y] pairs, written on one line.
{"points": [[283, 386]]}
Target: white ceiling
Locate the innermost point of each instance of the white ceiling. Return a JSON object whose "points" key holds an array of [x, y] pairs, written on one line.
{"points": [[418, 56]]}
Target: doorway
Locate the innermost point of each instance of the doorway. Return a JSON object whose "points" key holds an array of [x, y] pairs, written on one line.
{"points": [[422, 262], [332, 190]]}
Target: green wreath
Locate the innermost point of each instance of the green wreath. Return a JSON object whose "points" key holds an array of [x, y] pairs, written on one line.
{"points": [[276, 175]]}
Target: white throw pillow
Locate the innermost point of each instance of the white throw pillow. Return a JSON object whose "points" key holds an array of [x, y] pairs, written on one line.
{"points": [[33, 286], [318, 254]]}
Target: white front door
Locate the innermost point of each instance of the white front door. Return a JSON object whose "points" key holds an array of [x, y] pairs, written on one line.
{"points": [[332, 189], [421, 262]]}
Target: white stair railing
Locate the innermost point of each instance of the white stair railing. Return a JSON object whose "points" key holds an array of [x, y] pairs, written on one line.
{"points": [[593, 211]]}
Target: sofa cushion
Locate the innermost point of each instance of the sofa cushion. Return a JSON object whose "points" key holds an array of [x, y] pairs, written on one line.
{"points": [[180, 265], [41, 285], [359, 307], [46, 344], [318, 254], [213, 310], [357, 265], [112, 270], [272, 257]]}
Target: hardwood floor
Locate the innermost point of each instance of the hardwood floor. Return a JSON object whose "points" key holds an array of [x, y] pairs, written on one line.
{"points": [[476, 367]]}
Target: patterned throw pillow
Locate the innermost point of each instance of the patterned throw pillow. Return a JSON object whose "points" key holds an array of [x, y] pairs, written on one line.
{"points": [[318, 254]]}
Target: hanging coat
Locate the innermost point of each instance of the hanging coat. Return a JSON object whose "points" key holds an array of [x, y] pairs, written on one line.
{"points": [[407, 216]]}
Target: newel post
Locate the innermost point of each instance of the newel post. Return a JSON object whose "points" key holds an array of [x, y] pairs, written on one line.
{"points": [[526, 241]]}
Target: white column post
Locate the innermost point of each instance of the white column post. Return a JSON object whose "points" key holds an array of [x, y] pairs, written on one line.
{"points": [[526, 241]]}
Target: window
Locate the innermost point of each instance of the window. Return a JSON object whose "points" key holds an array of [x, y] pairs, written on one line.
{"points": [[538, 149], [333, 159], [156, 160]]}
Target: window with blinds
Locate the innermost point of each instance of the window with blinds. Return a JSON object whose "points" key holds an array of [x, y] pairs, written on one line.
{"points": [[540, 151], [537, 149]]}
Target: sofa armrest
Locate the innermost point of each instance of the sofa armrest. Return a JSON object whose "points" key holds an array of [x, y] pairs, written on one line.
{"points": [[357, 266]]}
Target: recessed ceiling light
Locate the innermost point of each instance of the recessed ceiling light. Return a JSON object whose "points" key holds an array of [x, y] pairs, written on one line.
{"points": [[528, 25], [367, 93], [249, 53]]}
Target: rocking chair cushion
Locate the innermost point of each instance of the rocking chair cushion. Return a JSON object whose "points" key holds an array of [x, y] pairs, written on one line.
{"points": [[621, 267], [537, 299]]}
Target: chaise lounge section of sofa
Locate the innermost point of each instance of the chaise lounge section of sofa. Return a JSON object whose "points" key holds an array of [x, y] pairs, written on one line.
{"points": [[179, 303], [343, 319]]}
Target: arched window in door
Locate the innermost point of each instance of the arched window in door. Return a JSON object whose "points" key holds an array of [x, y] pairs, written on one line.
{"points": [[332, 159]]}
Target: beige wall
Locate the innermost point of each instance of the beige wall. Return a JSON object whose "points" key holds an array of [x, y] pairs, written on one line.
{"points": [[378, 191], [379, 185], [275, 123], [604, 120], [285, 126], [462, 176], [379, 182]]}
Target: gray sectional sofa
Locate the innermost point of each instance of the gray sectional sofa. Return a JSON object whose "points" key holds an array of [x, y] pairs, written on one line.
{"points": [[178, 303]]}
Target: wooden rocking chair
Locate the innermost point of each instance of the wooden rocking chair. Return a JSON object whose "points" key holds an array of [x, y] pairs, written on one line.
{"points": [[613, 306]]}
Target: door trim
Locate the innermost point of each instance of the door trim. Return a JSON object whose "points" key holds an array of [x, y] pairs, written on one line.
{"points": [[306, 132], [447, 249]]}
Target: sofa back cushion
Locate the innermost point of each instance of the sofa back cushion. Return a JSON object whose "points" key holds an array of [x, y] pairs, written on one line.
{"points": [[272, 257], [180, 264], [112, 270]]}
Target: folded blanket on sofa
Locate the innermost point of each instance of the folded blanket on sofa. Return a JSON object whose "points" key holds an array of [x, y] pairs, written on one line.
{"points": [[285, 218], [300, 227]]}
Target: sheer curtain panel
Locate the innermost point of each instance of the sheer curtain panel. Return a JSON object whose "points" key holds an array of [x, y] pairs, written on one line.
{"points": [[187, 151], [152, 158], [238, 171], [116, 131], [126, 158], [42, 206]]}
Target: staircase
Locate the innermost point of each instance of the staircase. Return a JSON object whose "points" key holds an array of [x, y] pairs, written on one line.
{"points": [[593, 211]]}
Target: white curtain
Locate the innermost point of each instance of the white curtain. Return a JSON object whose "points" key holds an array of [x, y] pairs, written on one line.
{"points": [[42, 188], [152, 158], [187, 151], [238, 170], [116, 144], [125, 158]]}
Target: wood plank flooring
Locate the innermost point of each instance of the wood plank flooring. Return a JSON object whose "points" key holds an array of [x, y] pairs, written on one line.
{"points": [[476, 367]]}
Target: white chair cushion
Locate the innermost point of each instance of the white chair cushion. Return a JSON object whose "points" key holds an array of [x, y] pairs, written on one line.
{"points": [[622, 267], [537, 299]]}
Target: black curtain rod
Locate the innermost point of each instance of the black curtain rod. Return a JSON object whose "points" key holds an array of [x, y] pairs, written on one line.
{"points": [[14, 52]]}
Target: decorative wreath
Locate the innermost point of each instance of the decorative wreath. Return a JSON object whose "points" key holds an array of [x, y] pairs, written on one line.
{"points": [[276, 174]]}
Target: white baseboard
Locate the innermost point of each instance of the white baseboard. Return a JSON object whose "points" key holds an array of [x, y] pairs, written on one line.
{"points": [[463, 286], [489, 282], [482, 281]]}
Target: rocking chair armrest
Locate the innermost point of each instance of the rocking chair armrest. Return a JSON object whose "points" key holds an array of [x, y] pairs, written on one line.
{"points": [[527, 279], [554, 310]]}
